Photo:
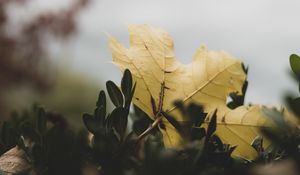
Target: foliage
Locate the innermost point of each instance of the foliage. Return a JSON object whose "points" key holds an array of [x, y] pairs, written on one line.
{"points": [[49, 143], [126, 141], [115, 148]]}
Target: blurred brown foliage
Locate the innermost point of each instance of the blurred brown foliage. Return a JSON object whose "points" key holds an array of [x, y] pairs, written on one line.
{"points": [[23, 56]]}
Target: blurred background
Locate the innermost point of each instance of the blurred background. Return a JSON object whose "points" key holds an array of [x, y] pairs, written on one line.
{"points": [[56, 53]]}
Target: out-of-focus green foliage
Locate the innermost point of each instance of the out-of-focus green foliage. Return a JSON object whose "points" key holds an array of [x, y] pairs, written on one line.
{"points": [[124, 142], [71, 95]]}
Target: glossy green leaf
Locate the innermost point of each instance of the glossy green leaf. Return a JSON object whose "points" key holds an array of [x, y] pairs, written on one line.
{"points": [[101, 100], [120, 119], [295, 64], [90, 123], [126, 84], [114, 93], [128, 101]]}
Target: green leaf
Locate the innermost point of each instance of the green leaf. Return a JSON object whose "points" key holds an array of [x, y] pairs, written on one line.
{"points": [[28, 131], [126, 84], [212, 126], [109, 121], [238, 100], [4, 132], [114, 94], [120, 119], [41, 120], [100, 114], [90, 123], [257, 144], [141, 120], [295, 64], [101, 100], [179, 105], [245, 68], [21, 143], [128, 101], [196, 114], [173, 122], [294, 104], [197, 133]]}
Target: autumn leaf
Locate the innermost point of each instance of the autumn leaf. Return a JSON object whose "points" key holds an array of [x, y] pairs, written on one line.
{"points": [[240, 127], [14, 161], [207, 80]]}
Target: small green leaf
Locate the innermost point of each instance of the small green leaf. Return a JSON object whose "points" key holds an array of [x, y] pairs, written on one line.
{"points": [[173, 122], [218, 142], [126, 84], [90, 123], [196, 114], [294, 104], [100, 114], [212, 126], [179, 105], [28, 131], [114, 94], [197, 133], [245, 87], [257, 144], [231, 149], [238, 100], [295, 64], [4, 132], [101, 100], [245, 68], [41, 120], [21, 143], [120, 120], [128, 101], [109, 121]]}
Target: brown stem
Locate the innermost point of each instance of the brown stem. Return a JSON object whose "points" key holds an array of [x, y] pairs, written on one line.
{"points": [[158, 115], [150, 128]]}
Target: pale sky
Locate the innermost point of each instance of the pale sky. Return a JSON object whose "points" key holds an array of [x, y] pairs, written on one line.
{"points": [[262, 33]]}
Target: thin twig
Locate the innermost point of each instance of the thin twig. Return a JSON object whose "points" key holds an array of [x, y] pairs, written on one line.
{"points": [[158, 114], [150, 128]]}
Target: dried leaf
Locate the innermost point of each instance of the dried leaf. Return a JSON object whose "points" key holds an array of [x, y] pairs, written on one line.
{"points": [[240, 127], [14, 161], [207, 80]]}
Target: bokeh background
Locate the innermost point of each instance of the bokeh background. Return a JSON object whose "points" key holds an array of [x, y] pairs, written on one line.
{"points": [[56, 52]]}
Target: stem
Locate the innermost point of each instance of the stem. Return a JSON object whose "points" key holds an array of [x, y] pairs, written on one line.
{"points": [[158, 113], [150, 128]]}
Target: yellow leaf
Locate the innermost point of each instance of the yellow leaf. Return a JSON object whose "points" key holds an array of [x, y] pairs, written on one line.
{"points": [[240, 127], [207, 80]]}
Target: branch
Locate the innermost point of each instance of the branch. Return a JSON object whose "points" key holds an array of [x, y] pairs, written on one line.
{"points": [[158, 113]]}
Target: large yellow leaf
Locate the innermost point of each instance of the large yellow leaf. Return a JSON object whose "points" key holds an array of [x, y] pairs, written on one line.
{"points": [[207, 80]]}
